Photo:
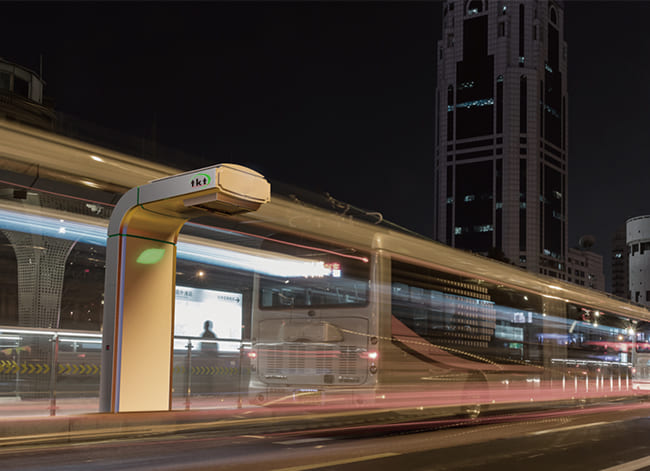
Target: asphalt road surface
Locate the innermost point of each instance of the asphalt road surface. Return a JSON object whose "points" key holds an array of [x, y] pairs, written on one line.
{"points": [[613, 438]]}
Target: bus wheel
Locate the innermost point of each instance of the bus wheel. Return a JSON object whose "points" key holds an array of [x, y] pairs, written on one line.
{"points": [[474, 396], [471, 411]]}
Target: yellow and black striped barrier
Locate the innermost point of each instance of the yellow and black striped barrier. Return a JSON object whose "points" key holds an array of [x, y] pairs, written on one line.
{"points": [[208, 370], [81, 369], [33, 368], [89, 369]]}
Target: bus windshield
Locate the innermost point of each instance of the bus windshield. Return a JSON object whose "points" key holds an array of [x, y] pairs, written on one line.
{"points": [[342, 281]]}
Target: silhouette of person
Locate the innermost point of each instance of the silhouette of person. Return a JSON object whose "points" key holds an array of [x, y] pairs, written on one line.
{"points": [[208, 334]]}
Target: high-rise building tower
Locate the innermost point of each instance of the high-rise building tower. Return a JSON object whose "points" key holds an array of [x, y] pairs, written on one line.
{"points": [[501, 158], [620, 265], [638, 242]]}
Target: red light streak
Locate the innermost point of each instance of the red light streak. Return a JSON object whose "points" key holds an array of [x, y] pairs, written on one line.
{"points": [[292, 244]]}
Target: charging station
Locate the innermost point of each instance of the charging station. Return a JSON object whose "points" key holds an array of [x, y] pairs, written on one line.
{"points": [[139, 289]]}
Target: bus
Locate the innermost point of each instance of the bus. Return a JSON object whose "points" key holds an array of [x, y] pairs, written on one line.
{"points": [[394, 314], [309, 304]]}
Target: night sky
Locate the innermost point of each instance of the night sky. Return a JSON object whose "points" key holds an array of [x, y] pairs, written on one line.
{"points": [[332, 97]]}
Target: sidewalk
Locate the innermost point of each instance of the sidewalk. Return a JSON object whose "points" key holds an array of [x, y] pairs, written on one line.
{"points": [[16, 407], [29, 426]]}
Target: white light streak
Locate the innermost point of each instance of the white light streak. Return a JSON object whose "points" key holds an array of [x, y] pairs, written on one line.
{"points": [[267, 263]]}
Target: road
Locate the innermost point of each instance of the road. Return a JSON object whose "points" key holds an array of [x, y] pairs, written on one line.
{"points": [[612, 438]]}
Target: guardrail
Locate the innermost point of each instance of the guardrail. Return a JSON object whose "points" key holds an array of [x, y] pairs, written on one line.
{"points": [[42, 368]]}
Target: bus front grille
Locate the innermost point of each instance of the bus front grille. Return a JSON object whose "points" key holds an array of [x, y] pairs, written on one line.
{"points": [[305, 361]]}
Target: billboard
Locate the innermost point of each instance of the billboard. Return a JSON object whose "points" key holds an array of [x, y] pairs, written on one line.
{"points": [[207, 314]]}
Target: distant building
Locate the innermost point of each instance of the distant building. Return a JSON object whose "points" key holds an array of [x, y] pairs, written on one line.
{"points": [[638, 243], [585, 268], [21, 96], [620, 265], [501, 158]]}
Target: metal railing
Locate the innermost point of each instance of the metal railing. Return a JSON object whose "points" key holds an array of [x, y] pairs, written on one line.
{"points": [[56, 371]]}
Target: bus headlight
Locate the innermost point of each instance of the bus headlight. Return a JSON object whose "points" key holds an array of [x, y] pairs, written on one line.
{"points": [[372, 355]]}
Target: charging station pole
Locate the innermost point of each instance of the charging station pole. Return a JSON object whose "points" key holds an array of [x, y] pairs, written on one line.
{"points": [[139, 290]]}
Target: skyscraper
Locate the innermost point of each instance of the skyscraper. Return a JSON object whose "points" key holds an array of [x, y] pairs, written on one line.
{"points": [[501, 158], [637, 236], [620, 265]]}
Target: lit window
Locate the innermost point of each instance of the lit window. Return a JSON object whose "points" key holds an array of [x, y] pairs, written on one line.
{"points": [[482, 102], [551, 110], [469, 198], [458, 230], [474, 7]]}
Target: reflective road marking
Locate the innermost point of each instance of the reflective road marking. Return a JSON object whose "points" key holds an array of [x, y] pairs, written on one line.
{"points": [[338, 462], [303, 440], [630, 465], [574, 427]]}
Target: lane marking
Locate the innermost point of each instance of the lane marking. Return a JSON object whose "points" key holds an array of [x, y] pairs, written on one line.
{"points": [[630, 465], [337, 462], [302, 440], [573, 427]]}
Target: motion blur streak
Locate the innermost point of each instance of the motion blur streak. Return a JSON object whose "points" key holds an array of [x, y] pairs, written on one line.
{"points": [[337, 462], [631, 466]]}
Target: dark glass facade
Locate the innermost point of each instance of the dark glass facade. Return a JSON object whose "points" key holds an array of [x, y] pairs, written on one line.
{"points": [[474, 189], [503, 142], [474, 82]]}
